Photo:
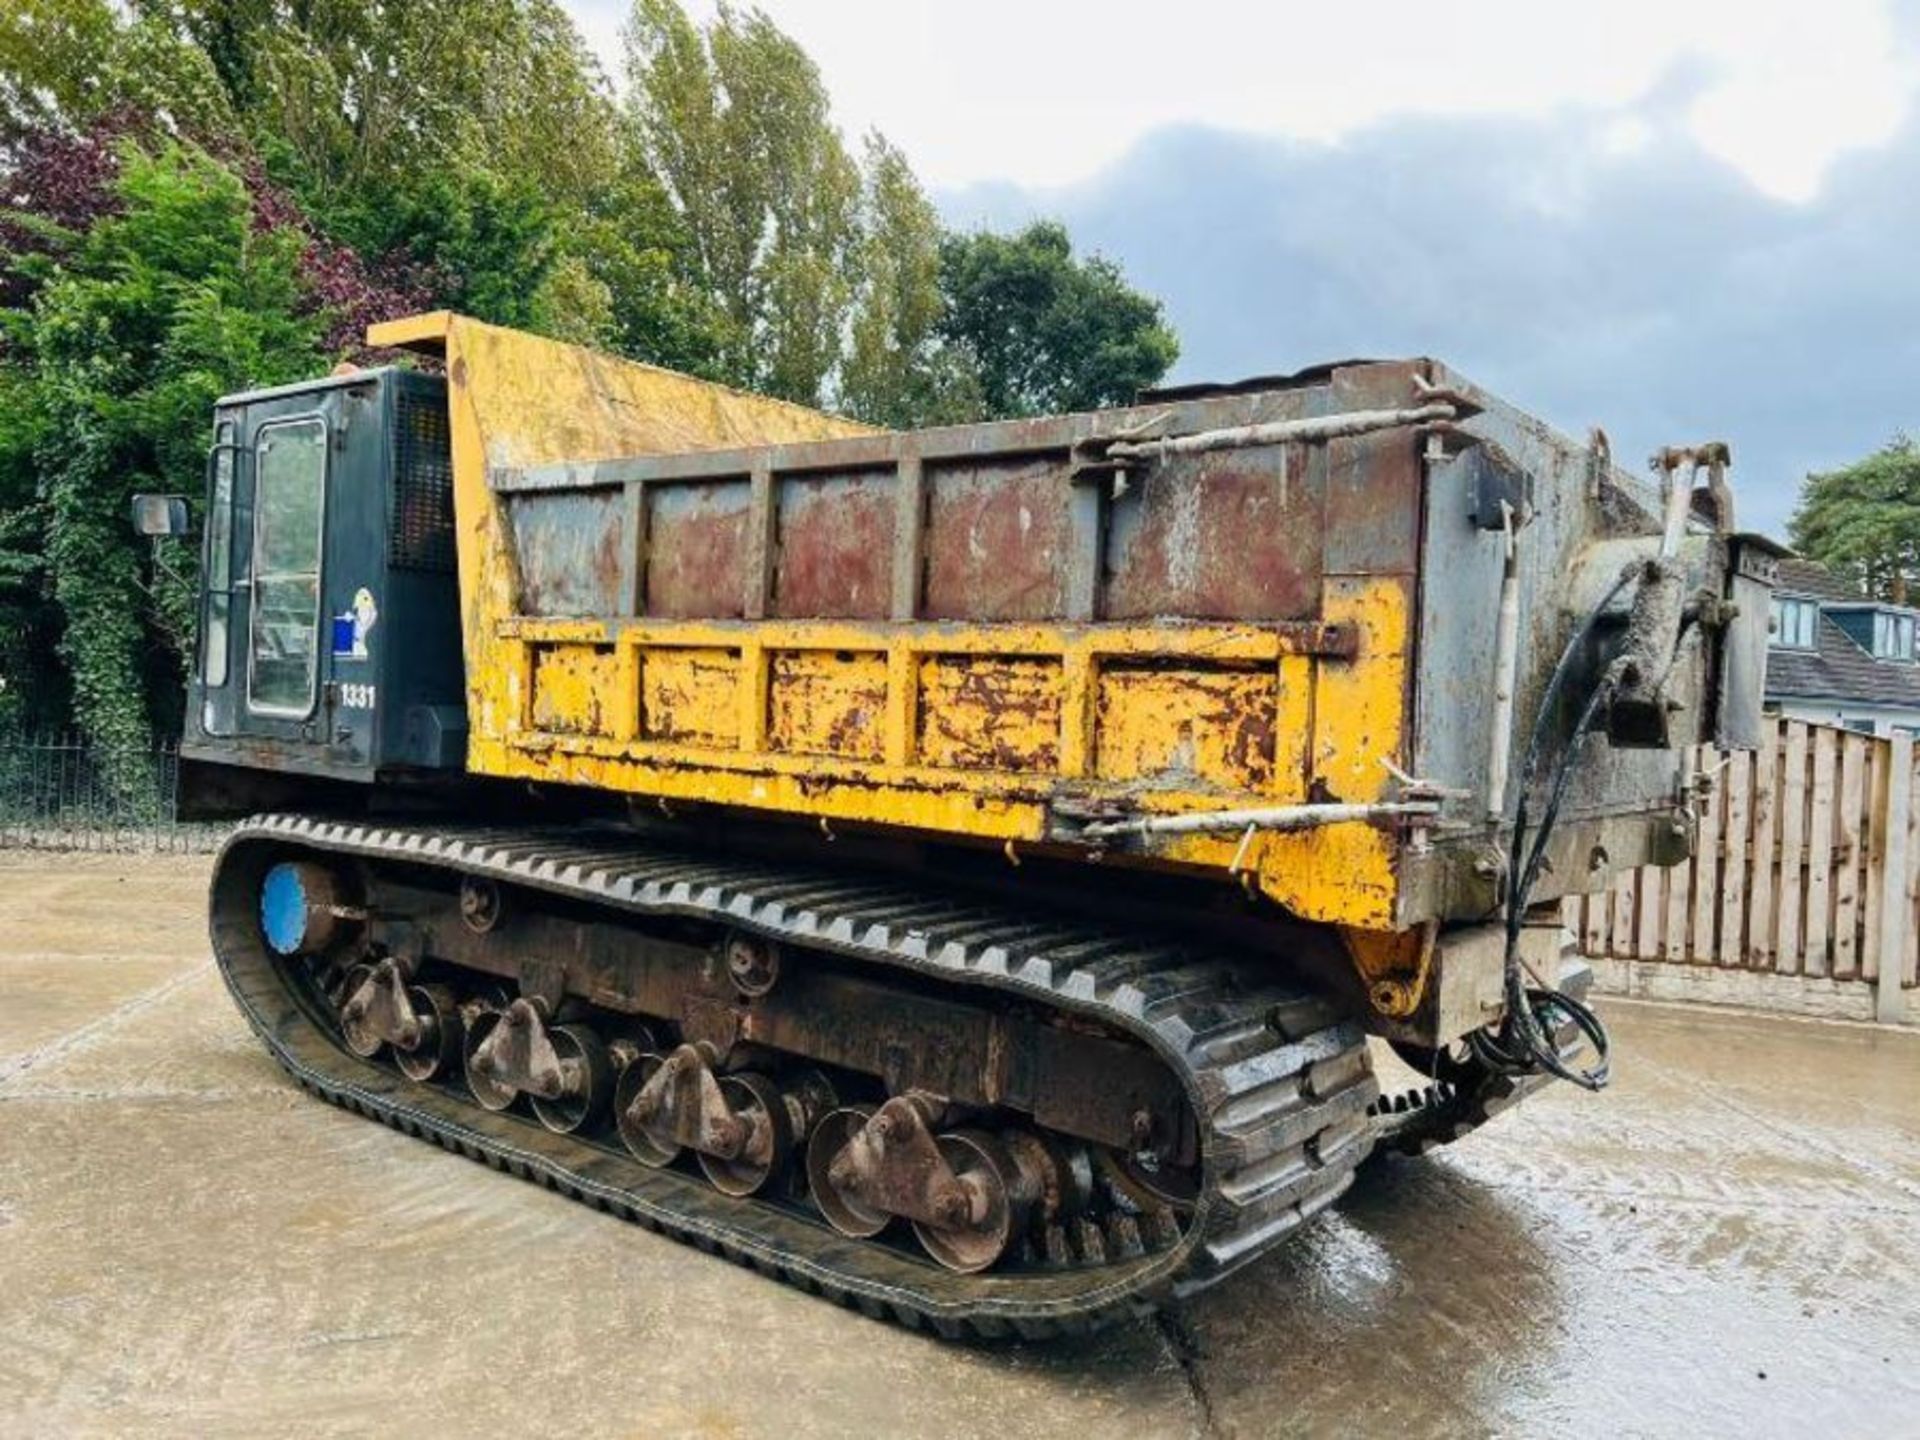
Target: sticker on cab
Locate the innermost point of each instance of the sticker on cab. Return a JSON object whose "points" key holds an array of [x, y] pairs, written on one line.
{"points": [[350, 629]]}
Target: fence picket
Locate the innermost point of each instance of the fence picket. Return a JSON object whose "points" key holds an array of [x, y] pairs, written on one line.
{"points": [[1874, 857], [1706, 865], [1734, 846], [1848, 851], [1595, 933], [1620, 925], [1679, 899], [1820, 824], [1790, 956], [1763, 854], [1911, 885], [1650, 911]]}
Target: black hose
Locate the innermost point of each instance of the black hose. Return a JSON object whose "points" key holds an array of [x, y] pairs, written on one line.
{"points": [[1525, 1040]]}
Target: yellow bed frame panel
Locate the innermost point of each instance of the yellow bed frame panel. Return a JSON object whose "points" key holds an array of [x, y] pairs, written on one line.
{"points": [[950, 728]]}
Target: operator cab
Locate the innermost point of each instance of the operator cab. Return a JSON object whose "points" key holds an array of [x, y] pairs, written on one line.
{"points": [[329, 625]]}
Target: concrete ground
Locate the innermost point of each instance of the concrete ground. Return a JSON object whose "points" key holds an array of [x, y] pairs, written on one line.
{"points": [[1725, 1243]]}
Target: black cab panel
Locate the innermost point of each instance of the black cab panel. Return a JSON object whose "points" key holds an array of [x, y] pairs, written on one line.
{"points": [[329, 630]]}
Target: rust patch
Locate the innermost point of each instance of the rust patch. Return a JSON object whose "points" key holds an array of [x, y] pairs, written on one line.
{"points": [[836, 547], [1228, 535], [997, 541], [990, 713], [696, 550], [568, 551], [691, 696], [1184, 724], [827, 703], [1374, 481]]}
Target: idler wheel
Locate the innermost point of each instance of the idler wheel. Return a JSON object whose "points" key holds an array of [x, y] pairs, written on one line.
{"points": [[440, 1033], [491, 1093], [768, 1138], [641, 1142], [981, 1217], [589, 1074], [842, 1208]]}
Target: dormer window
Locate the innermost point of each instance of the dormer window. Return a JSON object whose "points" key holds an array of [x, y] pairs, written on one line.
{"points": [[1892, 635], [1795, 621]]}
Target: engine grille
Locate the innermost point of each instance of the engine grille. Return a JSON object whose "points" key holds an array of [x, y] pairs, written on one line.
{"points": [[421, 522]]}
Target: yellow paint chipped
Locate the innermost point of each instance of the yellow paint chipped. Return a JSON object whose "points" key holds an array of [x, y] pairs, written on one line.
{"points": [[967, 730]]}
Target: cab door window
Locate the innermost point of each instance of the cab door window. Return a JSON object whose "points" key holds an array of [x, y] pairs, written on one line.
{"points": [[290, 486], [219, 564]]}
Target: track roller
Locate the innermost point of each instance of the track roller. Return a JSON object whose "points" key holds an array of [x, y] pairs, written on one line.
{"points": [[438, 1043], [742, 1126], [842, 1205], [981, 1208], [968, 1193], [380, 1007], [563, 1069]]}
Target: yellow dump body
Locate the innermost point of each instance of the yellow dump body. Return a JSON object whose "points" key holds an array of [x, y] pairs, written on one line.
{"points": [[998, 632]]}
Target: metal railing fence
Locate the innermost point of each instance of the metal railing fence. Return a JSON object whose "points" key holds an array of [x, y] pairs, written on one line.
{"points": [[63, 792]]}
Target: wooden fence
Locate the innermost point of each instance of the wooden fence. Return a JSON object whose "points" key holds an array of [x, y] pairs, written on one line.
{"points": [[1805, 867]]}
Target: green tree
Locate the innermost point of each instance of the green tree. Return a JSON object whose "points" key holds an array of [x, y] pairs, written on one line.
{"points": [[1863, 521], [735, 123], [491, 242], [630, 242], [343, 93], [1048, 331], [111, 370], [70, 61], [899, 371]]}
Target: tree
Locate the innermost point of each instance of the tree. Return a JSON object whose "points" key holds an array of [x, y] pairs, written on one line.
{"points": [[735, 123], [1046, 331], [898, 370], [341, 94], [132, 329], [488, 244], [630, 242], [1863, 521]]}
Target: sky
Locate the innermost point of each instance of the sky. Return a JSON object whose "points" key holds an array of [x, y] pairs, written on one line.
{"points": [[1680, 219]]}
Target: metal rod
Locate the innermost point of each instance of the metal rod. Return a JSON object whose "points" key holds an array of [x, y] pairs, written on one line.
{"points": [[1506, 655], [1276, 817], [1679, 502], [1282, 432]]}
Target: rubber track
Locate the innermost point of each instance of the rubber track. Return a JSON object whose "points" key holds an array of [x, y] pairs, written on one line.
{"points": [[1277, 1074], [1418, 1121]]}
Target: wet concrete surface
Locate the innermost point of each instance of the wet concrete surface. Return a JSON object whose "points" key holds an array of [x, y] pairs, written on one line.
{"points": [[1726, 1243]]}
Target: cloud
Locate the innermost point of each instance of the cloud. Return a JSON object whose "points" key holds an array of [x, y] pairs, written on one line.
{"points": [[1592, 266], [1046, 93]]}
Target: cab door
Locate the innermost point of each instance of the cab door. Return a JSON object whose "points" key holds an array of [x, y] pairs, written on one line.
{"points": [[284, 617], [272, 489]]}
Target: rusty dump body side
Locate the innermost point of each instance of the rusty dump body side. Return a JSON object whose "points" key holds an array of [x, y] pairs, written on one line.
{"points": [[1005, 632]]}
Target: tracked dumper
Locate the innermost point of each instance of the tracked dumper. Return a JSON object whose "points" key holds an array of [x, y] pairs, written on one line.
{"points": [[957, 872]]}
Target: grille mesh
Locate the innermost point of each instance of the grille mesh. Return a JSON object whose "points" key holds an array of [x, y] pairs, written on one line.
{"points": [[421, 525]]}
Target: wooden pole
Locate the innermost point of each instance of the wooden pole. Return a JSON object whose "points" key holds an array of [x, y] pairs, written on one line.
{"points": [[1896, 901]]}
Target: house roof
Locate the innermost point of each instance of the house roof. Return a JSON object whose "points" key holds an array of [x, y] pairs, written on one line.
{"points": [[1836, 668], [1814, 580]]}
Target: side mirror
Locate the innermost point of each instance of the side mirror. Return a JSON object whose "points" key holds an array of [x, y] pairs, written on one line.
{"points": [[159, 515]]}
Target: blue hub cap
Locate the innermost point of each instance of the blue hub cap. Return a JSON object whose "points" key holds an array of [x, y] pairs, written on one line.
{"points": [[283, 908]]}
